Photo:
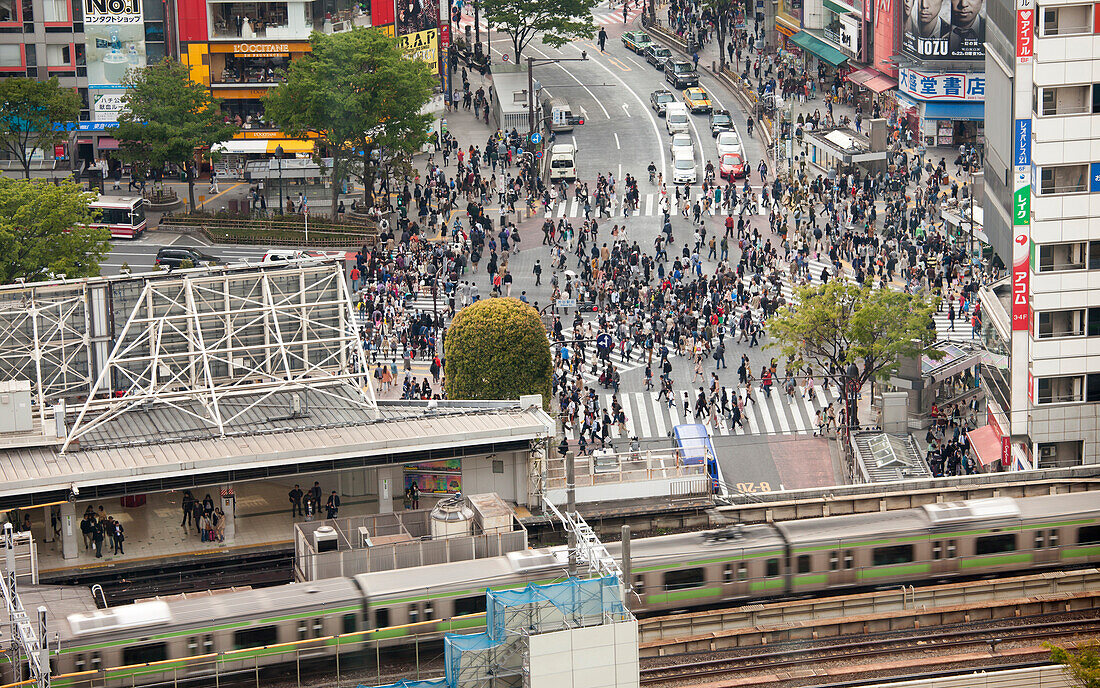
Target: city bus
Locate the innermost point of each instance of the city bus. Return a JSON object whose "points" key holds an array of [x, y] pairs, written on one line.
{"points": [[123, 215]]}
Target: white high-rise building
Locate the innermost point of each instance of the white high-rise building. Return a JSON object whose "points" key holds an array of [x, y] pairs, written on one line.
{"points": [[1042, 215]]}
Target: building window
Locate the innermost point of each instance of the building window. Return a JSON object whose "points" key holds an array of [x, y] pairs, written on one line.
{"points": [[58, 56], [1067, 20], [1056, 324], [1061, 390], [10, 56], [1063, 179], [8, 11], [1066, 100], [55, 11], [1055, 257]]}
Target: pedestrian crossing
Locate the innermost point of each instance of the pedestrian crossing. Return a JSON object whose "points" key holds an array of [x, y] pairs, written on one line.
{"points": [[623, 359], [649, 205], [650, 417], [601, 16]]}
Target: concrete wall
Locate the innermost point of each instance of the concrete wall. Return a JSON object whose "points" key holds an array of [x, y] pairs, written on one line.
{"points": [[511, 484]]}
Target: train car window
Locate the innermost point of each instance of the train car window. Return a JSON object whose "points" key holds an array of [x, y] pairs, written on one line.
{"points": [[1088, 535], [255, 637], [849, 560], [476, 604], [381, 618], [771, 568], [303, 630], [1054, 539], [727, 574], [96, 660], [804, 563], [349, 623], [639, 583], [995, 544], [742, 571], [142, 654], [193, 645], [207, 644], [318, 628], [896, 554], [414, 613], [429, 612], [1039, 539], [80, 662], [834, 560], [685, 578], [952, 549], [937, 550]]}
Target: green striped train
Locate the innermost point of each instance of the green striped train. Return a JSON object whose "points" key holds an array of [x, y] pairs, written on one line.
{"points": [[154, 641]]}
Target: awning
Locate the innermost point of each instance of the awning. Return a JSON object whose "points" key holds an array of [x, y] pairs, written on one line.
{"points": [[986, 444], [871, 78], [290, 146], [820, 48], [107, 143], [974, 111]]}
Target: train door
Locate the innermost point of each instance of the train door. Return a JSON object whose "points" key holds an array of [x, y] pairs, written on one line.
{"points": [[841, 565]]}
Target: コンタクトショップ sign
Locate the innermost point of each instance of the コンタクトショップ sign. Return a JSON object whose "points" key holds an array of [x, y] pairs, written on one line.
{"points": [[112, 11]]}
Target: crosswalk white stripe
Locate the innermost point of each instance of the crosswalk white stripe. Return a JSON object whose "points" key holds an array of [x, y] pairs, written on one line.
{"points": [[674, 412], [659, 416], [779, 414], [796, 413], [630, 431], [575, 208], [649, 203], [810, 410], [750, 410], [614, 423], [641, 413], [767, 417]]}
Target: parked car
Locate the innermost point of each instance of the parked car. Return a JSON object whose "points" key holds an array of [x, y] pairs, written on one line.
{"points": [[660, 99], [172, 256], [720, 120], [657, 55], [680, 73], [637, 40]]}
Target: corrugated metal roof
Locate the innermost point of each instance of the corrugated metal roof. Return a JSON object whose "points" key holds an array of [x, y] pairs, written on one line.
{"points": [[332, 431]]}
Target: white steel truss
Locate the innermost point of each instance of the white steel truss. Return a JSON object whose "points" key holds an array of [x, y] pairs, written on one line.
{"points": [[194, 340], [45, 338]]}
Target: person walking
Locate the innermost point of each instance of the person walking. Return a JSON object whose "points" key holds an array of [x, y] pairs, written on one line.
{"points": [[603, 40]]}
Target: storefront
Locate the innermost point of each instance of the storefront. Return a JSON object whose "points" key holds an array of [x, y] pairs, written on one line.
{"points": [[788, 21], [947, 108], [818, 53], [233, 156]]}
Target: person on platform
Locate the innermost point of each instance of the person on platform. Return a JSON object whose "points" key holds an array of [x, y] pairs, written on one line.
{"points": [[333, 505], [295, 496], [118, 537], [414, 493], [188, 506], [97, 538]]}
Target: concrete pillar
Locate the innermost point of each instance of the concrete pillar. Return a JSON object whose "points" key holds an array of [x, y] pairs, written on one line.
{"points": [[387, 488], [70, 531], [229, 508]]}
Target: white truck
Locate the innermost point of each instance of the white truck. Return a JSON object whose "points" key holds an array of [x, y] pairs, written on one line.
{"points": [[561, 163]]}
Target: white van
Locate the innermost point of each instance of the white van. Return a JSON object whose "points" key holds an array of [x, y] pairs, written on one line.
{"points": [[676, 118], [562, 163], [683, 168], [557, 114]]}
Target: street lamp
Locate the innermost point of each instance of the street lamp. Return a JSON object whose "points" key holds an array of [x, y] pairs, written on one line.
{"points": [[279, 156], [531, 62]]}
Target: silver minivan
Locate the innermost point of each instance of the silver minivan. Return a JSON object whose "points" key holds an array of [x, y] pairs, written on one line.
{"points": [[677, 118]]}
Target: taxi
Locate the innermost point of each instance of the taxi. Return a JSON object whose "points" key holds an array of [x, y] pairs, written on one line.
{"points": [[697, 100], [637, 41]]}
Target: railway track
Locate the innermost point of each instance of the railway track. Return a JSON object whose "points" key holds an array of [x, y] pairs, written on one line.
{"points": [[803, 663]]}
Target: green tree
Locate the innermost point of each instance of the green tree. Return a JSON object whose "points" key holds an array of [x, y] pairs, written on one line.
{"points": [[1082, 666], [721, 10], [497, 349], [168, 118], [44, 231], [834, 325], [362, 97], [34, 115], [559, 21]]}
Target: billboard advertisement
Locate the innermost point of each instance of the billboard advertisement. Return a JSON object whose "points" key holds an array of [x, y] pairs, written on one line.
{"points": [[106, 104], [422, 45], [114, 40], [945, 29]]}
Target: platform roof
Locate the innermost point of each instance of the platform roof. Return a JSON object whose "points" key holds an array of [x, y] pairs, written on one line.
{"points": [[139, 454]]}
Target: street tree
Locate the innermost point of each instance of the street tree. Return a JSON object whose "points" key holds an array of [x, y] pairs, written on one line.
{"points": [[1082, 666], [33, 114], [168, 118], [497, 349], [559, 21], [721, 11], [840, 325], [362, 97], [45, 232]]}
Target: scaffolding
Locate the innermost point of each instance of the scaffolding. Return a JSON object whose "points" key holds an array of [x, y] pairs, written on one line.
{"points": [[215, 344]]}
